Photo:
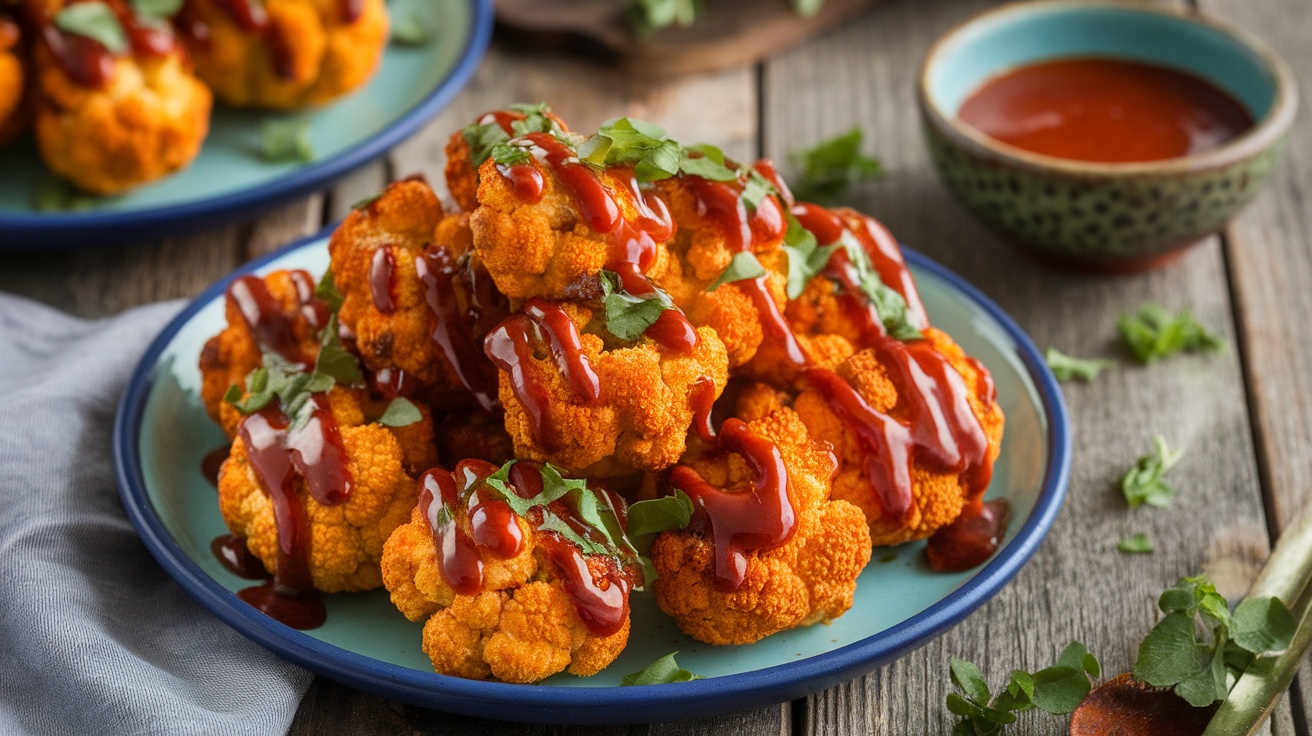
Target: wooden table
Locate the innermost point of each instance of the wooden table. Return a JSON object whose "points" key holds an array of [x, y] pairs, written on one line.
{"points": [[1245, 415]]}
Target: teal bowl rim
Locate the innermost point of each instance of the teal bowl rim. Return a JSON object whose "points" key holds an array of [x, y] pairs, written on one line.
{"points": [[1265, 133]]}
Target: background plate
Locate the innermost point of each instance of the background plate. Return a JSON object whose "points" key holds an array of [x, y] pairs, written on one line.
{"points": [[162, 432], [229, 178]]}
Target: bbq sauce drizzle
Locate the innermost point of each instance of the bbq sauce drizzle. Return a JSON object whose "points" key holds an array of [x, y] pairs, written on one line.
{"points": [[598, 585], [252, 17], [85, 60], [456, 329], [286, 457]]}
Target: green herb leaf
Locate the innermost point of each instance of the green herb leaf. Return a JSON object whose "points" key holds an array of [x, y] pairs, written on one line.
{"points": [[361, 205], [157, 9], [335, 361], [1057, 689], [656, 515], [966, 676], [807, 8], [401, 412], [1065, 368], [743, 267], [805, 257], [53, 194], [96, 21], [829, 169], [1154, 333], [411, 28], [888, 302], [629, 316], [661, 672], [755, 187], [326, 290], [1135, 544], [1262, 625], [1143, 483], [709, 165], [284, 141], [511, 154]]}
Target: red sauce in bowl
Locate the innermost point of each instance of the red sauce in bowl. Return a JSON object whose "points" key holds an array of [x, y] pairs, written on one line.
{"points": [[1105, 110]]}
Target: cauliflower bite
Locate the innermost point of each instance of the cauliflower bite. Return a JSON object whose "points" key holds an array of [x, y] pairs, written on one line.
{"points": [[519, 593], [12, 85], [284, 53], [752, 564], [128, 120], [467, 149], [342, 529], [279, 313], [590, 408], [899, 429], [415, 298]]}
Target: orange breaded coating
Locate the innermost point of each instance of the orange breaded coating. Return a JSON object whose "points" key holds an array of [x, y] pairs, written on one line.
{"points": [[468, 148], [345, 539], [12, 83], [808, 579], [147, 120], [640, 418], [518, 624], [285, 54], [938, 497], [229, 356]]}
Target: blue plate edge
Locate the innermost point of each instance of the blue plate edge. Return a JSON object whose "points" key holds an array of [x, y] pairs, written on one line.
{"points": [[599, 705], [72, 230]]}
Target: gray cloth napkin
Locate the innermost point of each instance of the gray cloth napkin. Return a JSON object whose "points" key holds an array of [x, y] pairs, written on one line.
{"points": [[94, 636]]}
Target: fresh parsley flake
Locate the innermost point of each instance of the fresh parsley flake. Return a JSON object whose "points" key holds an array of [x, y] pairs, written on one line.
{"points": [[661, 672], [648, 16], [743, 267], [53, 194], [1066, 368], [511, 154], [285, 141], [806, 258], [647, 518], [156, 10], [1153, 333], [326, 291], [364, 204], [832, 166], [1135, 544], [1143, 482], [807, 8], [94, 20], [629, 316], [401, 412], [411, 28], [1057, 689]]}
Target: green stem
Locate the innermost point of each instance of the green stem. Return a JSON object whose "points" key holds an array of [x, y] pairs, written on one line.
{"points": [[1286, 577]]}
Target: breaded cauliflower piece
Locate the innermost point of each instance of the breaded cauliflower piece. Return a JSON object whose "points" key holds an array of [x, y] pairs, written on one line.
{"points": [[517, 622], [12, 82], [284, 54], [147, 119], [392, 261], [937, 495], [469, 147], [809, 578], [639, 419], [229, 356], [345, 540]]}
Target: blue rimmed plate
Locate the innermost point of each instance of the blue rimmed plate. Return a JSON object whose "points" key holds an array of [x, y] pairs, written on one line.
{"points": [[162, 433], [229, 178]]}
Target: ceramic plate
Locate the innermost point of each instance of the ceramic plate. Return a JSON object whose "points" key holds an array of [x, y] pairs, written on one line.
{"points": [[162, 433], [229, 177]]}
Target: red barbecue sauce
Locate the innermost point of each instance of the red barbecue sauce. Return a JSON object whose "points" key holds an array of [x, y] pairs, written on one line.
{"points": [[596, 585], [457, 327], [87, 61], [250, 16], [971, 539], [761, 518], [1105, 110], [382, 280]]}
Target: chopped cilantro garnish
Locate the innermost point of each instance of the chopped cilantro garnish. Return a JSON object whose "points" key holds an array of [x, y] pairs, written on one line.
{"points": [[94, 20], [1135, 544], [485, 136], [744, 266], [1143, 483], [661, 672], [400, 413], [807, 8], [156, 10], [658, 514], [1065, 368], [1154, 333], [832, 166], [805, 257], [651, 153], [283, 141], [629, 316], [1057, 689], [511, 154], [648, 16], [411, 28], [326, 289]]}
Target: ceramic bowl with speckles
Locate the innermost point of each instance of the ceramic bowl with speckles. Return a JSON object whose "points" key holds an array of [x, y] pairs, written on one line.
{"points": [[1111, 217]]}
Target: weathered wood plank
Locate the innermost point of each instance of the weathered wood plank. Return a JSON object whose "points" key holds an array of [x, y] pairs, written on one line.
{"points": [[1271, 272], [1077, 586]]}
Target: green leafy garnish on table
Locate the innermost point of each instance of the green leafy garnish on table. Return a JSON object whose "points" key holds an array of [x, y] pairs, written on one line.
{"points": [[1066, 368], [661, 672], [1153, 333], [743, 267], [1143, 482], [94, 20], [1057, 689], [628, 316], [286, 141], [830, 168], [1135, 544], [1199, 646]]}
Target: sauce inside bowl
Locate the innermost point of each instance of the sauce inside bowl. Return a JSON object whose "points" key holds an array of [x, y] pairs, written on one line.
{"points": [[1105, 110]]}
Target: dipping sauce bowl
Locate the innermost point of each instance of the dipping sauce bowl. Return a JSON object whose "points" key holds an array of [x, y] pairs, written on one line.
{"points": [[1103, 215]]}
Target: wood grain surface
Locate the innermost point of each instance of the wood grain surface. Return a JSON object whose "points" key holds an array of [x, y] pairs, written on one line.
{"points": [[1243, 415]]}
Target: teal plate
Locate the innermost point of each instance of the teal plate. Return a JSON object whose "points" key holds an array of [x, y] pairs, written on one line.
{"points": [[230, 178], [162, 432]]}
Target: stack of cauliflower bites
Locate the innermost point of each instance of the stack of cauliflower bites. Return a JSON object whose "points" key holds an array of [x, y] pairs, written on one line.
{"points": [[641, 365]]}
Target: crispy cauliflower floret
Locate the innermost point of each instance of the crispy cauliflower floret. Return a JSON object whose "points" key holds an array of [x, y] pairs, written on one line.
{"points": [[810, 578], [12, 84], [640, 418], [147, 120], [519, 624], [938, 497], [233, 353], [392, 260], [345, 539], [285, 53]]}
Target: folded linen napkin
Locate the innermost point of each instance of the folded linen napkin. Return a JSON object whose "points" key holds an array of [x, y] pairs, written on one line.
{"points": [[94, 636]]}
